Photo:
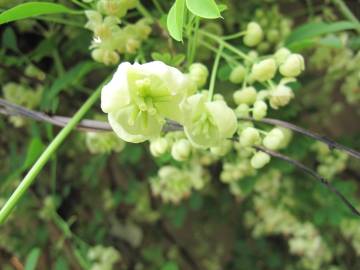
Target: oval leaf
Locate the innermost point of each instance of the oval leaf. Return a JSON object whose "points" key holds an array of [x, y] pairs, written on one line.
{"points": [[315, 29], [175, 20], [204, 8], [32, 259], [32, 9]]}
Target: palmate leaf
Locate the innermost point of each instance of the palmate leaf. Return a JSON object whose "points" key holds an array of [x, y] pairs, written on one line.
{"points": [[33, 9]]}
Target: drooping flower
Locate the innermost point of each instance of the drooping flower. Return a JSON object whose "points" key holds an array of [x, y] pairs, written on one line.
{"points": [[207, 123], [140, 97]]}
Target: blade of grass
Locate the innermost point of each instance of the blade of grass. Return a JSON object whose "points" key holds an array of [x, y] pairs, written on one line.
{"points": [[46, 155]]}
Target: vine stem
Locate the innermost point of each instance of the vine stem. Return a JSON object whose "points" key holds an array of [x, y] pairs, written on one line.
{"points": [[225, 44], [46, 155], [214, 71]]}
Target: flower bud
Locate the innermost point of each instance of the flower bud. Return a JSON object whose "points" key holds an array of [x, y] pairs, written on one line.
{"points": [[254, 34], [158, 146], [264, 70], [237, 75], [281, 96], [293, 65], [242, 110], [259, 110], [259, 160], [273, 35], [199, 74], [249, 137], [274, 139], [106, 57], [262, 95], [181, 150], [246, 95], [281, 55]]}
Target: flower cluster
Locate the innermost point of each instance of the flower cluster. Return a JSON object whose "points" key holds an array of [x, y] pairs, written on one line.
{"points": [[173, 184], [111, 39], [103, 258], [140, 98], [22, 95]]}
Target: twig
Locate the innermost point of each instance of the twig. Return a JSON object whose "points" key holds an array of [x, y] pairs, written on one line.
{"points": [[331, 144], [311, 172]]}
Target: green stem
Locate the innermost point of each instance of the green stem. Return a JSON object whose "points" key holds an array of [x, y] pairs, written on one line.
{"points": [[143, 11], [58, 63], [61, 21], [232, 62], [158, 6], [214, 71], [46, 155], [347, 13], [226, 45], [234, 36], [76, 2]]}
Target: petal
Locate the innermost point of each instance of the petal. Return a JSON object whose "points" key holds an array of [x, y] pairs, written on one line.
{"points": [[224, 118], [115, 94], [140, 131]]}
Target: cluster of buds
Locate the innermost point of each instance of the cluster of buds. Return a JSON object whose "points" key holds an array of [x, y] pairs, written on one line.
{"points": [[173, 184], [22, 95], [110, 39]]}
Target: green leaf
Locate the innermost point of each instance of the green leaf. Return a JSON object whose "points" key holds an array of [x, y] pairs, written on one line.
{"points": [[32, 259], [314, 29], [69, 78], [32, 9], [175, 20], [9, 39], [170, 265], [35, 148], [204, 8]]}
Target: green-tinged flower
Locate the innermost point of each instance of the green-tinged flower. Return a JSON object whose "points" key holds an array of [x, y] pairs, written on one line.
{"points": [[293, 65], [103, 142], [199, 74], [140, 97], [274, 139], [264, 70], [159, 146], [281, 55], [249, 137], [238, 74], [280, 96], [181, 150], [107, 57], [116, 8], [259, 110], [259, 160], [254, 34], [242, 110], [246, 95], [208, 123], [102, 27]]}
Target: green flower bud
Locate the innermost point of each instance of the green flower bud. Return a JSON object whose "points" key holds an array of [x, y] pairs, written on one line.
{"points": [[293, 65], [273, 35], [199, 74], [218, 97], [287, 137], [181, 150], [246, 95], [106, 57], [280, 96], [222, 149], [274, 139], [159, 146], [254, 34], [281, 55], [208, 123], [103, 142], [264, 70], [259, 110], [242, 110], [264, 47], [34, 72], [259, 160], [237, 75], [262, 95], [249, 137]]}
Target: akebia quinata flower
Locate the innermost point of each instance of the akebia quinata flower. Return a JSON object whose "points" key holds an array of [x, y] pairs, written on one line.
{"points": [[207, 123], [140, 97]]}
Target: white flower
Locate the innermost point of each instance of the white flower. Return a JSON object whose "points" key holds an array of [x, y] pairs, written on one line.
{"points": [[208, 123], [140, 97]]}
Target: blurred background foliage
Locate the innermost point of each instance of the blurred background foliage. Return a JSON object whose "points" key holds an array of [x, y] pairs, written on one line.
{"points": [[92, 207]]}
